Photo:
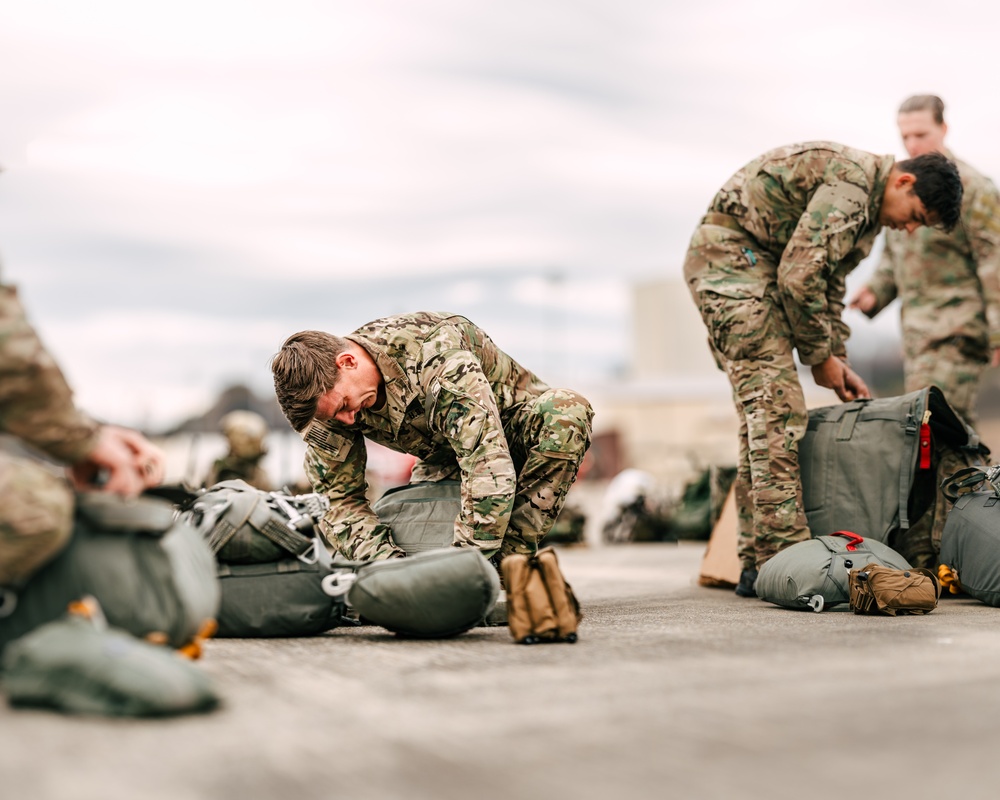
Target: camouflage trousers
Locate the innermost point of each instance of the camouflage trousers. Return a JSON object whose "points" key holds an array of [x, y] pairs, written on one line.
{"points": [[750, 338], [955, 368], [547, 439], [36, 519]]}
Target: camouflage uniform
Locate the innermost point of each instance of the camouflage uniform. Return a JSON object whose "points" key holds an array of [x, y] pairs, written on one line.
{"points": [[949, 288], [36, 405], [465, 409], [767, 269]]}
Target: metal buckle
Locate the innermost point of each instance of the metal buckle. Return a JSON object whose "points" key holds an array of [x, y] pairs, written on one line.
{"points": [[338, 584]]}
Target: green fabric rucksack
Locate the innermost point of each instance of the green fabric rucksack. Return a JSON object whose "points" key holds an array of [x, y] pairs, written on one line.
{"points": [[152, 575], [816, 573], [875, 466], [970, 544]]}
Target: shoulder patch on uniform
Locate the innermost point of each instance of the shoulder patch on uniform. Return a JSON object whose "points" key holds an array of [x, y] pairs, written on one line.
{"points": [[332, 445]]}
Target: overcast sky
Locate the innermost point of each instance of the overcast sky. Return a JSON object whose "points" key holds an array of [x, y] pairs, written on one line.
{"points": [[187, 183]]}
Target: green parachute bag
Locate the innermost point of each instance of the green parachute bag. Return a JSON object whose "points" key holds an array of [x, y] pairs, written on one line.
{"points": [[153, 576], [876, 465], [78, 665], [271, 560], [436, 594], [421, 515], [816, 573]]}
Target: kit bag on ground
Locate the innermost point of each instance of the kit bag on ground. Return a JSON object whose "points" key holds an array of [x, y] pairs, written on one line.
{"points": [[78, 664], [153, 576], [541, 606], [271, 561], [876, 465], [439, 593], [421, 515], [893, 592], [816, 573], [970, 544]]}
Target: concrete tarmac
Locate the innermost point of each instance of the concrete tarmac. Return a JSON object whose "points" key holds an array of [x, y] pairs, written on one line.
{"points": [[673, 691]]}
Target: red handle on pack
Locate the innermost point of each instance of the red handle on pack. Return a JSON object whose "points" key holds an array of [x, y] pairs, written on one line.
{"points": [[855, 540]]}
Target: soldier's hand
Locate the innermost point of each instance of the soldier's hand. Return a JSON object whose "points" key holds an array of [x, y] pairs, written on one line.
{"points": [[126, 459], [835, 374], [995, 358], [864, 300]]}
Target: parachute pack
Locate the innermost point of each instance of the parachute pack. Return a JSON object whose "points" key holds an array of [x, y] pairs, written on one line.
{"points": [[278, 579], [152, 575]]}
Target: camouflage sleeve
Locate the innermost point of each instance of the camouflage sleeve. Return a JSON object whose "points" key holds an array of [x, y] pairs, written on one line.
{"points": [[982, 224], [36, 403], [460, 405], [335, 464], [826, 233], [836, 287]]}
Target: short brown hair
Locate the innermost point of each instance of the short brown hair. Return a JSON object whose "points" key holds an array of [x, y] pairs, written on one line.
{"points": [[925, 102], [305, 368]]}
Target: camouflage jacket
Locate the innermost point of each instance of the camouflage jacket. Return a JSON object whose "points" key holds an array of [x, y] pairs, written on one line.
{"points": [[948, 283], [449, 389], [36, 403], [813, 209]]}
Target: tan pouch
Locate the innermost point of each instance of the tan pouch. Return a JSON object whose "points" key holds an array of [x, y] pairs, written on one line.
{"points": [[883, 590], [541, 606]]}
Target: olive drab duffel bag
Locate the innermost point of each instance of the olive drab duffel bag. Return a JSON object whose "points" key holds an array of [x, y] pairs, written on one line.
{"points": [[816, 573], [421, 515], [153, 575], [875, 466]]}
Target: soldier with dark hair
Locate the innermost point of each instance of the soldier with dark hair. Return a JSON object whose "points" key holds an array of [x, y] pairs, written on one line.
{"points": [[948, 283], [766, 268], [436, 386]]}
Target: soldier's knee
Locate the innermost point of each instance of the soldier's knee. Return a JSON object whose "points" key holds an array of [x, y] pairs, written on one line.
{"points": [[36, 519], [566, 417]]}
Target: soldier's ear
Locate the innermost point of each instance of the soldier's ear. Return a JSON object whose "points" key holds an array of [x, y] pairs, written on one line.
{"points": [[905, 180], [346, 361]]}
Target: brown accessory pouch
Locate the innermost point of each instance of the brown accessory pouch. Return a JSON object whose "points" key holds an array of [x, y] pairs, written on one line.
{"points": [[883, 590], [541, 606]]}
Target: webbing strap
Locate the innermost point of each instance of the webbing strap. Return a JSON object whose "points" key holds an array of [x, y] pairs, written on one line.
{"points": [[286, 538], [233, 518], [908, 462], [847, 423]]}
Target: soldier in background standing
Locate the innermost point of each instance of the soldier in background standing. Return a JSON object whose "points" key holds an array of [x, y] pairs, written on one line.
{"points": [[433, 385], [36, 406], [767, 268], [948, 283], [245, 432]]}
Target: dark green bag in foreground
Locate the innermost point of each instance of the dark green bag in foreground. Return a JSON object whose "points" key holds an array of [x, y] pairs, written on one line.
{"points": [[151, 574], [78, 665]]}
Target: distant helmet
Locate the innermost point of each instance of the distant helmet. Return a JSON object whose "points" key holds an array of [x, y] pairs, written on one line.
{"points": [[245, 431]]}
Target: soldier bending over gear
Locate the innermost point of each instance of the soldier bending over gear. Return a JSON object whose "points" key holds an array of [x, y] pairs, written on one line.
{"points": [[767, 268], [433, 385], [36, 406], [948, 284]]}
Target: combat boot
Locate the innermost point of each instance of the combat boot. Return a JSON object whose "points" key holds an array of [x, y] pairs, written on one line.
{"points": [[745, 588]]}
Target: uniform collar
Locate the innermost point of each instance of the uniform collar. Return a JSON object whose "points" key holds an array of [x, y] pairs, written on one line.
{"points": [[399, 392]]}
